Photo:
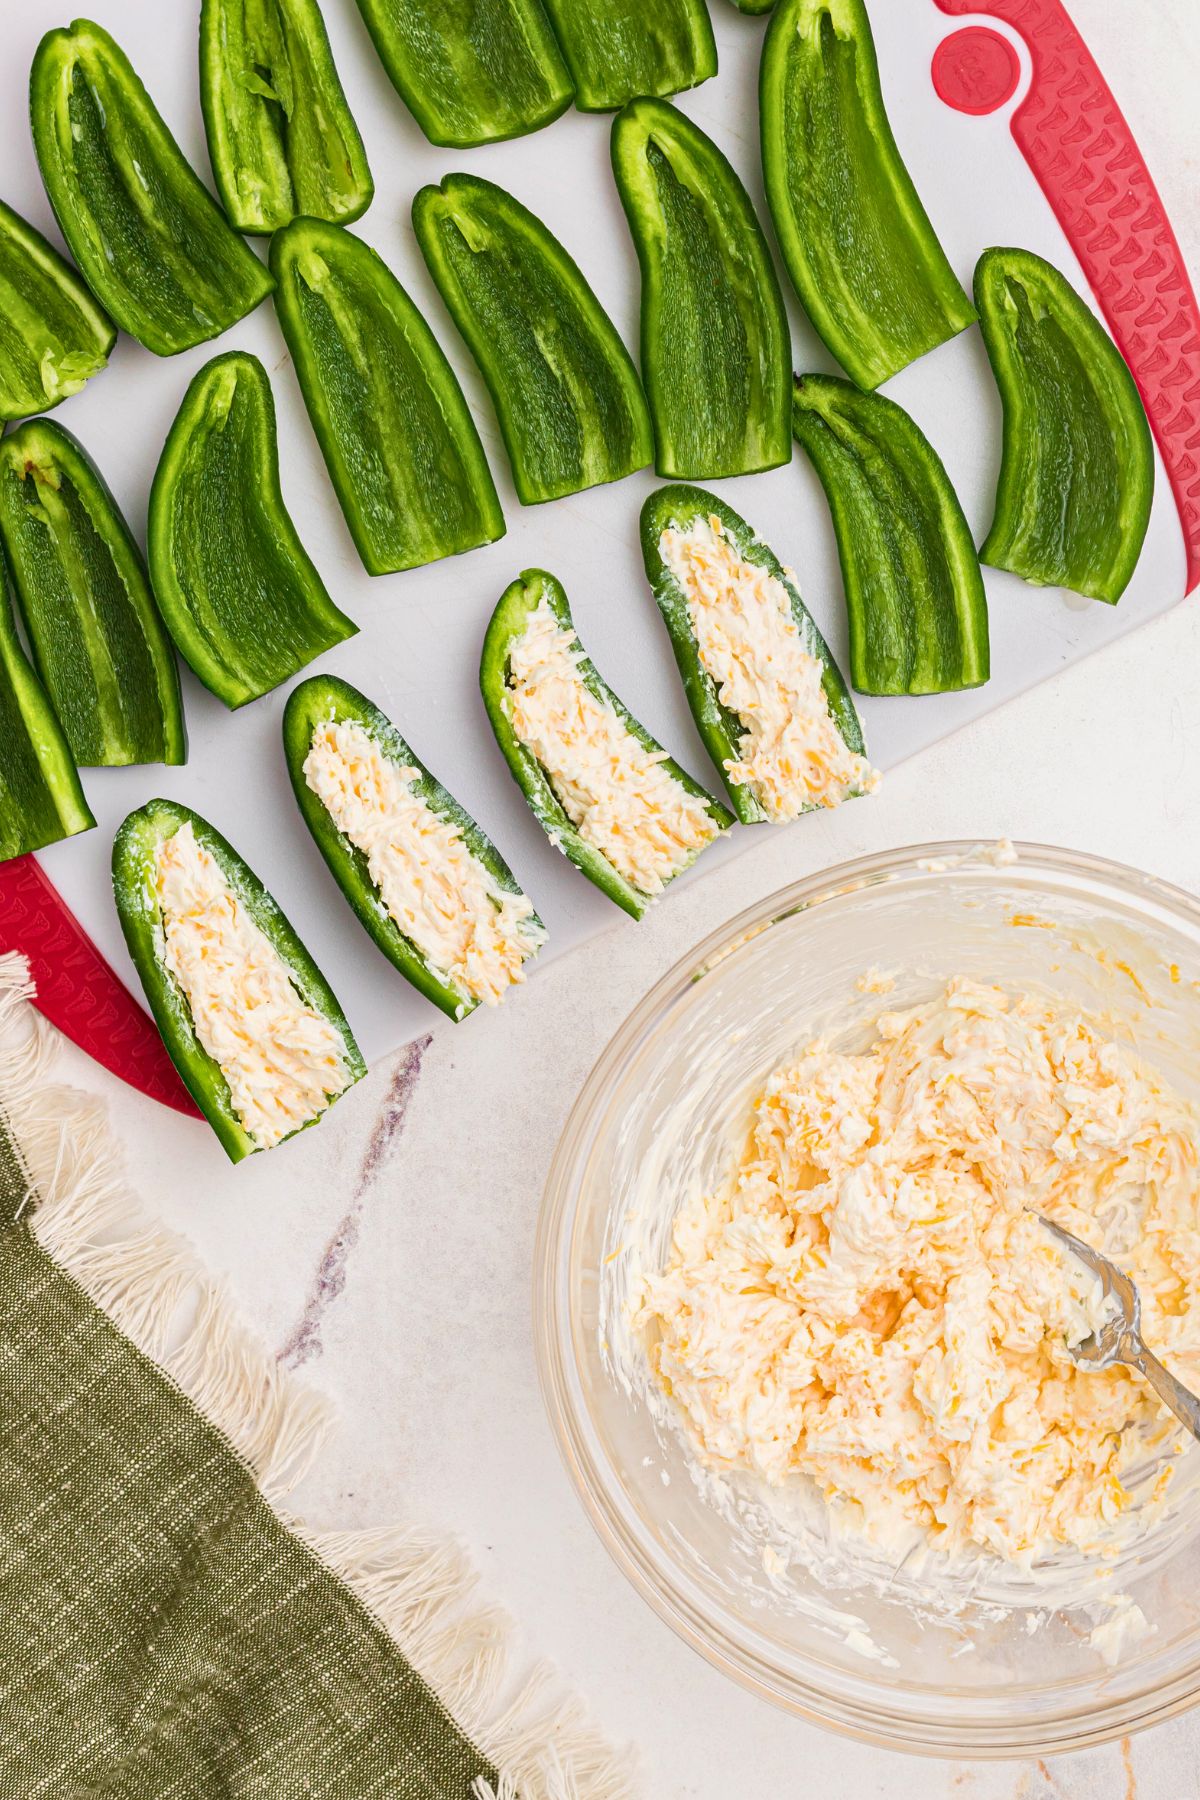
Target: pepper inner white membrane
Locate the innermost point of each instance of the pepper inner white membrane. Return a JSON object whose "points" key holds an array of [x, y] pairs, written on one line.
{"points": [[869, 1301], [472, 933], [792, 756], [282, 1060], [615, 791]]}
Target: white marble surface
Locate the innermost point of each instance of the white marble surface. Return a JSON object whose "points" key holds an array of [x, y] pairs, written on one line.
{"points": [[421, 1328]]}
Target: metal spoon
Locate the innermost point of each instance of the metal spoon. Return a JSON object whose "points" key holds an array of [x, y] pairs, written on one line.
{"points": [[1119, 1340]]}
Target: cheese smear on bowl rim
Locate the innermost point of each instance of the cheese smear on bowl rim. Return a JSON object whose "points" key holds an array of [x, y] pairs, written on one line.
{"points": [[471, 932], [615, 791], [283, 1061], [870, 1304], [792, 755]]}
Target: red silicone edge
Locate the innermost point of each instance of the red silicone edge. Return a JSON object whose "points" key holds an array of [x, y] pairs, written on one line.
{"points": [[78, 991], [1079, 146]]}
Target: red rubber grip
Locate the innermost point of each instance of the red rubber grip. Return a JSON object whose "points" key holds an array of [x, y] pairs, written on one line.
{"points": [[78, 991], [1079, 146]]}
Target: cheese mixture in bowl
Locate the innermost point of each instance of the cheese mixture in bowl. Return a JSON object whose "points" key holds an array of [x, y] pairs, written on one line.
{"points": [[792, 755], [869, 1302], [615, 791], [805, 1346], [471, 932], [282, 1060]]}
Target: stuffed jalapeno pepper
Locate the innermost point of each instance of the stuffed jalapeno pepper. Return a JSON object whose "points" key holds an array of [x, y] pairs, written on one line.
{"points": [[249, 1021], [767, 697], [432, 890], [605, 793]]}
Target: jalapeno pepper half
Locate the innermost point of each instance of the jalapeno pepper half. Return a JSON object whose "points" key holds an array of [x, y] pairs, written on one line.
{"points": [[914, 590], [1077, 474], [471, 71], [281, 137], [41, 799], [53, 336], [857, 242], [395, 431], [153, 245], [236, 587], [101, 648], [716, 355], [566, 393], [618, 49]]}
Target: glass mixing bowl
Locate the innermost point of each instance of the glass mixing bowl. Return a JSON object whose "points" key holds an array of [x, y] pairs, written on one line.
{"points": [[1004, 1675]]}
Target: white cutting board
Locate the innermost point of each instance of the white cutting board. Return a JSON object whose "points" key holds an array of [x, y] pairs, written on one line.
{"points": [[418, 648]]}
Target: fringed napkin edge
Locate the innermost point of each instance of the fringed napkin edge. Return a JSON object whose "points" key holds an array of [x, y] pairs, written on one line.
{"points": [[417, 1584]]}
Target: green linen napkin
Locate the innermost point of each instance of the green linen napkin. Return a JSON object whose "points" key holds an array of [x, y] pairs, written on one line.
{"points": [[164, 1634]]}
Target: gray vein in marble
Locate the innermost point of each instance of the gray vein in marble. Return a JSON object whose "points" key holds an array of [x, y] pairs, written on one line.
{"points": [[304, 1342]]}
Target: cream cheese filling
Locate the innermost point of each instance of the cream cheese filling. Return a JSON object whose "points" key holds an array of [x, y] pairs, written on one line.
{"points": [[791, 754], [616, 793], [869, 1301], [282, 1060], [471, 932]]}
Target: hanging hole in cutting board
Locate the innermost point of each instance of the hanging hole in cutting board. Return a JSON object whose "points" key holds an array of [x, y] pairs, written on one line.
{"points": [[976, 70]]}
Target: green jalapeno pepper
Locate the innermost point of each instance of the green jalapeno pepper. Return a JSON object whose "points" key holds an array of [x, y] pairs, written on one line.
{"points": [[100, 647], [471, 71], [681, 508], [395, 431], [281, 137], [716, 355], [239, 593], [618, 49], [135, 889], [153, 245], [41, 799], [53, 336], [323, 699], [1077, 474], [857, 242], [566, 393], [556, 809], [914, 590]]}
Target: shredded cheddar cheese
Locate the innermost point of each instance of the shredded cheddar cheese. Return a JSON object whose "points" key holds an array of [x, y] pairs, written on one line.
{"points": [[871, 1303], [471, 932], [791, 755], [283, 1061], [613, 789]]}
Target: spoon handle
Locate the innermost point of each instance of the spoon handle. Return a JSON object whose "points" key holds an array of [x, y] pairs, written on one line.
{"points": [[1182, 1402]]}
